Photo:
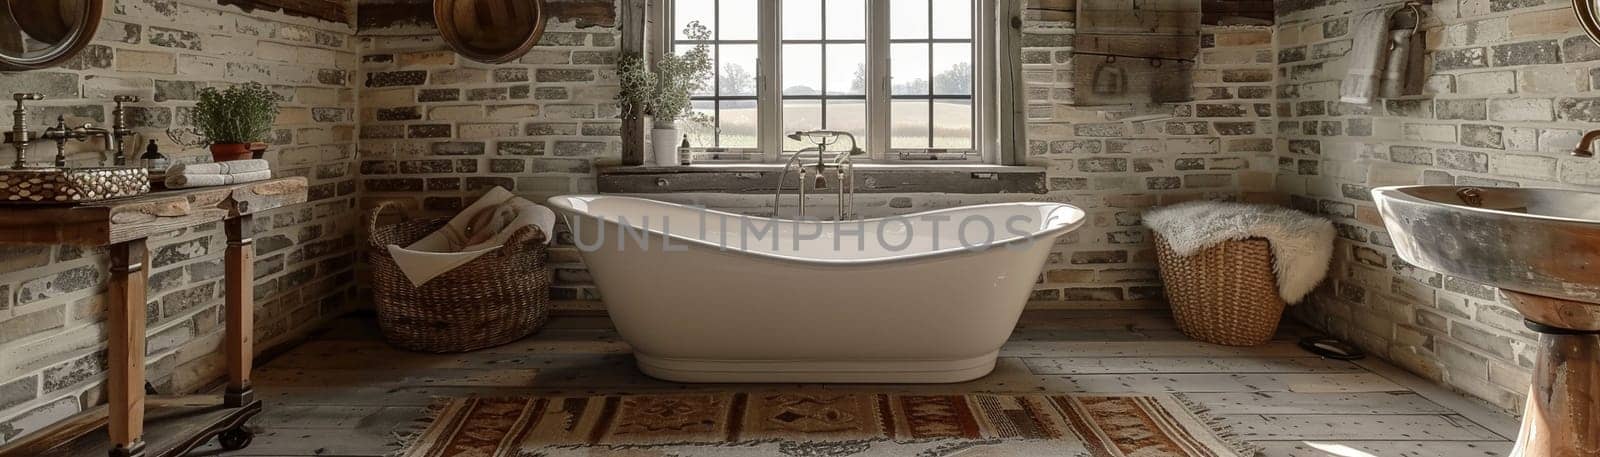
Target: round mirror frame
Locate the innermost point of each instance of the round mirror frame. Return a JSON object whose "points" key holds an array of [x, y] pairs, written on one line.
{"points": [[1586, 9], [69, 47], [447, 29]]}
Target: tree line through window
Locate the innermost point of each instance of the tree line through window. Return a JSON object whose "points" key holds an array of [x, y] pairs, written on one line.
{"points": [[823, 68]]}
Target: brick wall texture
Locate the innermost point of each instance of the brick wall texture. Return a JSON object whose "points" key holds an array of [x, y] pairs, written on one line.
{"points": [[437, 130], [52, 314], [391, 114], [1509, 92]]}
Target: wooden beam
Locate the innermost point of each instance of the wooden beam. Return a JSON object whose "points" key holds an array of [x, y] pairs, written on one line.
{"points": [[327, 10], [635, 14]]}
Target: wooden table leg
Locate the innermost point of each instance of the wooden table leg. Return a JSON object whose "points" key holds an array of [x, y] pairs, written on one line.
{"points": [[126, 323], [240, 282]]}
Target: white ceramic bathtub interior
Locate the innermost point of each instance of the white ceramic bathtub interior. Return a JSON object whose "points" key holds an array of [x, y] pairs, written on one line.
{"points": [[708, 296]]}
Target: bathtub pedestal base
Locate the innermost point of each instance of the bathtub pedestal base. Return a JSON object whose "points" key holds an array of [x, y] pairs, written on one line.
{"points": [[828, 371]]}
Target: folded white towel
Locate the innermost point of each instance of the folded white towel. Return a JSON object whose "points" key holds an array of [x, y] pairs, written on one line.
{"points": [[1368, 54], [1302, 244], [220, 168], [484, 226], [183, 180]]}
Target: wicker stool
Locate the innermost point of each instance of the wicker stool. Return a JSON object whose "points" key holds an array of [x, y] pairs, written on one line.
{"points": [[495, 299], [1225, 294]]}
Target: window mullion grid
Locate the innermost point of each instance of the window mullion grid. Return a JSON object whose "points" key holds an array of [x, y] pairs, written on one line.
{"points": [[769, 135], [879, 124], [716, 73], [930, 73]]}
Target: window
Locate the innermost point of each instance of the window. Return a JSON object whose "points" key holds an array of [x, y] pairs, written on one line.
{"points": [[906, 77]]}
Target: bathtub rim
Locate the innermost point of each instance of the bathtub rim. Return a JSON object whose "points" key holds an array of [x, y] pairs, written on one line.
{"points": [[564, 207]]}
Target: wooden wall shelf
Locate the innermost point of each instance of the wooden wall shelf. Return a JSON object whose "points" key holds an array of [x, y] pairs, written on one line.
{"points": [[137, 426]]}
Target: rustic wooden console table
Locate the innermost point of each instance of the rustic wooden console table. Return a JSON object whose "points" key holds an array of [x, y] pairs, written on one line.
{"points": [[157, 426]]}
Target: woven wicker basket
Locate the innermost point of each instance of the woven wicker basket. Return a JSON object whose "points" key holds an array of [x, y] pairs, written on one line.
{"points": [[495, 299], [1225, 294]]}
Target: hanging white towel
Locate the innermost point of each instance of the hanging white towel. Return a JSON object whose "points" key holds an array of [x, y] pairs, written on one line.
{"points": [[1368, 55], [220, 168], [186, 180], [1394, 71], [484, 226]]}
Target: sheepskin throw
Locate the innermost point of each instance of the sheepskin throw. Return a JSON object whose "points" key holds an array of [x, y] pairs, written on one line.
{"points": [[1302, 244]]}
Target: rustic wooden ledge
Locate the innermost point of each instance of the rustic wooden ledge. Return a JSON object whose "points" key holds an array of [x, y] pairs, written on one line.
{"points": [[174, 426], [869, 179], [116, 221]]}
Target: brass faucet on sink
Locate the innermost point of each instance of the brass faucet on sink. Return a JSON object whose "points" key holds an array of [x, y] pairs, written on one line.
{"points": [[114, 138], [1582, 149]]}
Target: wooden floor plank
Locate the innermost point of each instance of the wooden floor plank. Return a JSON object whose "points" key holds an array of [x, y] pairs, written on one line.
{"points": [[1316, 403], [1184, 348], [1292, 382], [1427, 427], [1137, 365], [1356, 448]]}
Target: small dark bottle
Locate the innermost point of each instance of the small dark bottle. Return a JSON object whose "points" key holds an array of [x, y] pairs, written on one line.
{"points": [[684, 155], [152, 159]]}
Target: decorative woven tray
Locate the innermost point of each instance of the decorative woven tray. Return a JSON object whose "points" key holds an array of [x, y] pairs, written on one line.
{"points": [[59, 186]]}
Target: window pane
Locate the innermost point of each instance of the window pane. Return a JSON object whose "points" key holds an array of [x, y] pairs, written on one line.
{"points": [[687, 11], [799, 115], [954, 19], [952, 69], [800, 19], [738, 121], [701, 134], [847, 69], [908, 68], [909, 19], [802, 72], [737, 69], [952, 120], [737, 20], [847, 19], [908, 124], [709, 87], [849, 116]]}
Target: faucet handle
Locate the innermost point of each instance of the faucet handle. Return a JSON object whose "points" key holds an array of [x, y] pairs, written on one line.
{"points": [[125, 99], [26, 96]]}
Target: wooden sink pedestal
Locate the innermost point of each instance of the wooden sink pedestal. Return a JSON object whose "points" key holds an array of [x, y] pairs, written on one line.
{"points": [[1562, 417]]}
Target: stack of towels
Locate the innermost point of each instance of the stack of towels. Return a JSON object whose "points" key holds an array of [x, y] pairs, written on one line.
{"points": [[217, 174], [485, 226]]}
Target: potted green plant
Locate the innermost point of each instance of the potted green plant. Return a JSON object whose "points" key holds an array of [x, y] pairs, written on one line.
{"points": [[232, 119], [663, 92]]}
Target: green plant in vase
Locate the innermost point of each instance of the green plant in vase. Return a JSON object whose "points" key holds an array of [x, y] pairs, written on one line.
{"points": [[663, 92], [231, 120]]}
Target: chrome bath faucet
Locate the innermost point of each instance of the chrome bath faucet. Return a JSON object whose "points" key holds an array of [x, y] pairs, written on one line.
{"points": [[843, 165]]}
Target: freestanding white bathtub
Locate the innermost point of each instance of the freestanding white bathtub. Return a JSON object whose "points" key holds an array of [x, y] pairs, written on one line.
{"points": [[709, 296]]}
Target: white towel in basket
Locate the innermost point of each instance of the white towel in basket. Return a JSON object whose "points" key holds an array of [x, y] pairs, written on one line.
{"points": [[1302, 244], [484, 226]]}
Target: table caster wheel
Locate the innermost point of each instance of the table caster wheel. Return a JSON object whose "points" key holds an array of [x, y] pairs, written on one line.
{"points": [[234, 439]]}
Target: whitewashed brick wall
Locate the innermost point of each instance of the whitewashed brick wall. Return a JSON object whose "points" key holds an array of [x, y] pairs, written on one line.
{"points": [[52, 310], [1509, 92]]}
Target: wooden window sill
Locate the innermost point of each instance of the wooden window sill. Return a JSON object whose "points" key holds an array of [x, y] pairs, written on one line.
{"points": [[873, 178]]}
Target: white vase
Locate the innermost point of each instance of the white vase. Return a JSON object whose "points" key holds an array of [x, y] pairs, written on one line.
{"points": [[664, 145]]}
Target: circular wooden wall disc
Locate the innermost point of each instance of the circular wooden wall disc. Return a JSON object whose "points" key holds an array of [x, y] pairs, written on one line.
{"points": [[490, 31]]}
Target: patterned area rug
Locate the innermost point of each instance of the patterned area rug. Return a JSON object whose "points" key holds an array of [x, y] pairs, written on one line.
{"points": [[821, 424]]}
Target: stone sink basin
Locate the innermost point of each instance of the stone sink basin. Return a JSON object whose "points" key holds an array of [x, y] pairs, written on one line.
{"points": [[1538, 241], [1541, 247]]}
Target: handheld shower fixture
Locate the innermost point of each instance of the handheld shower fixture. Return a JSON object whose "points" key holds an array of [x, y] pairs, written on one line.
{"points": [[842, 163]]}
